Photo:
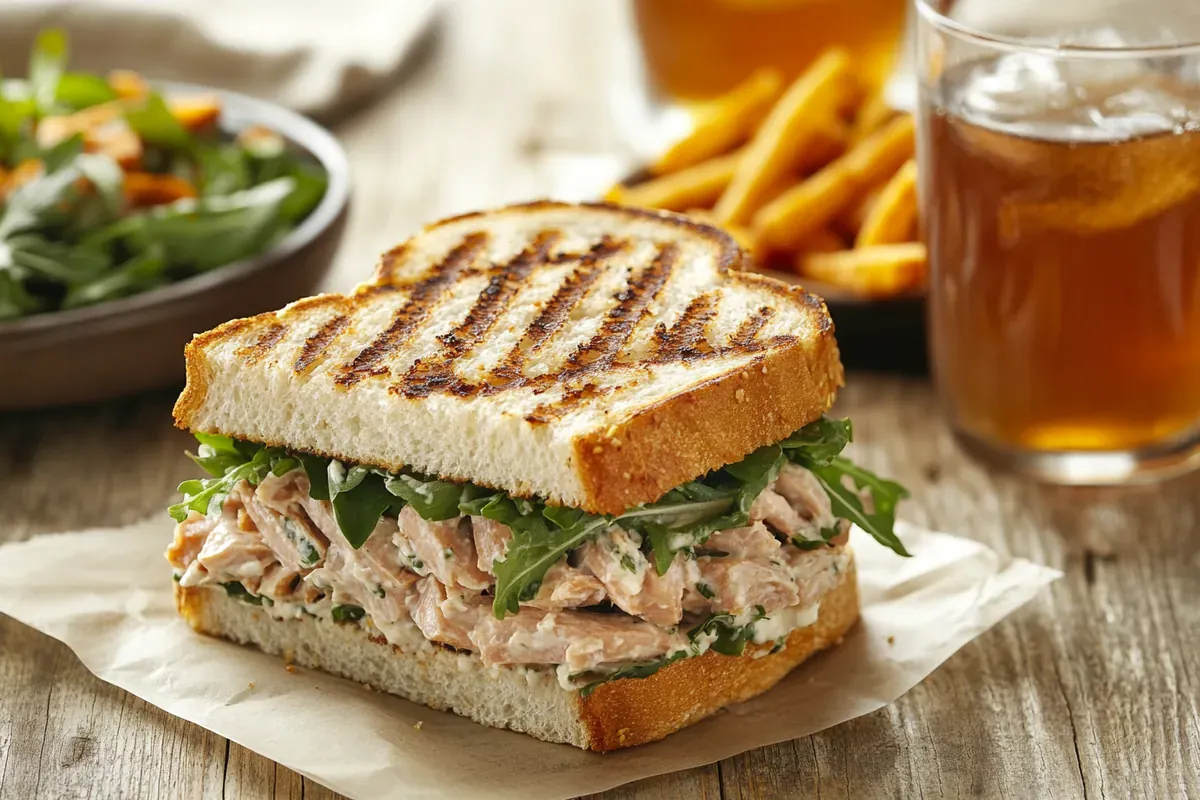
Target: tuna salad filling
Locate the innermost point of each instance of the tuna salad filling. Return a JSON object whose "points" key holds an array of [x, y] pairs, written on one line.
{"points": [[741, 556]]}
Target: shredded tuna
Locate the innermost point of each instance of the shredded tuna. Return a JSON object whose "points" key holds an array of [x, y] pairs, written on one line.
{"points": [[445, 548], [578, 639], [432, 580]]}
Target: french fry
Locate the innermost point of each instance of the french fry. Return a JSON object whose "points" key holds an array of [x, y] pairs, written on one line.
{"points": [[152, 189], [693, 187], [128, 84], [824, 241], [830, 140], [788, 128], [876, 271], [851, 220], [893, 217], [788, 219], [728, 121], [195, 111], [872, 115]]}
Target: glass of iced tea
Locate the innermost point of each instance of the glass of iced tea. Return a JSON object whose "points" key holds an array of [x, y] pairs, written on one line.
{"points": [[1059, 151]]}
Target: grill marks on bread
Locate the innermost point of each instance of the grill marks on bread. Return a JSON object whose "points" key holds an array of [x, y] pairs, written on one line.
{"points": [[509, 372], [422, 299], [580, 378], [437, 373], [252, 354]]}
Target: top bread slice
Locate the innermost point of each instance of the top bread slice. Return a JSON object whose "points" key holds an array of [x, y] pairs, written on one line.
{"points": [[591, 355]]}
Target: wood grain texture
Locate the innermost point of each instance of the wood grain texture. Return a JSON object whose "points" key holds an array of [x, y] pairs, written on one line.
{"points": [[1089, 691]]}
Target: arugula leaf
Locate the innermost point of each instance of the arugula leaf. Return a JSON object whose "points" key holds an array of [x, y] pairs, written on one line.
{"points": [[47, 62], [143, 271], [730, 639], [359, 499], [78, 90], [210, 231], [538, 543], [688, 515], [236, 590], [816, 447], [15, 301], [434, 500], [154, 123], [206, 496], [848, 504], [642, 669], [217, 454], [818, 442], [317, 470]]}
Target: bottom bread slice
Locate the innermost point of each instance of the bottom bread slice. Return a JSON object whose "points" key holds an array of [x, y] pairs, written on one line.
{"points": [[623, 713]]}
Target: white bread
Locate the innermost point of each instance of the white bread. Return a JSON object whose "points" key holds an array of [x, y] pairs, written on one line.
{"points": [[594, 356], [620, 714]]}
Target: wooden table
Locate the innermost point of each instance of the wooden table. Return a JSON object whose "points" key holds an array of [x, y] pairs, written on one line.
{"points": [[1089, 691]]}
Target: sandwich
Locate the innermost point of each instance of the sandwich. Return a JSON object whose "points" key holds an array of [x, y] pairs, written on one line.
{"points": [[563, 469]]}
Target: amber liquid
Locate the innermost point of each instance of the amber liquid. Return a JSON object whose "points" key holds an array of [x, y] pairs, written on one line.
{"points": [[1065, 278], [696, 49]]}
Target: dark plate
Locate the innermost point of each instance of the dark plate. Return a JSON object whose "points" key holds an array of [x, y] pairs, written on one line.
{"points": [[878, 334], [136, 343]]}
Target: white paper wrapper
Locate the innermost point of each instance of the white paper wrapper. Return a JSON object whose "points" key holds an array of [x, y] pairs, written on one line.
{"points": [[107, 595]]}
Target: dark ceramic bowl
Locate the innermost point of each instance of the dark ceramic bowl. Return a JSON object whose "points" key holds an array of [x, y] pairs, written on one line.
{"points": [[136, 343]]}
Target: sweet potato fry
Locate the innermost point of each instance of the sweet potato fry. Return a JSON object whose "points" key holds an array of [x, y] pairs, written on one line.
{"points": [[152, 189], [892, 219], [789, 218], [876, 271], [195, 111], [851, 220], [727, 122], [128, 85], [871, 116], [824, 241], [815, 96], [693, 187]]}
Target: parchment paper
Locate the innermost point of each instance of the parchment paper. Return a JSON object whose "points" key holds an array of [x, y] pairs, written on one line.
{"points": [[107, 595]]}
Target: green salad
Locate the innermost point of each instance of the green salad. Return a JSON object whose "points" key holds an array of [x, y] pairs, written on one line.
{"points": [[108, 188]]}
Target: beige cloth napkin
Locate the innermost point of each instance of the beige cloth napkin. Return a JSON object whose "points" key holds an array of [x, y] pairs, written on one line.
{"points": [[315, 56]]}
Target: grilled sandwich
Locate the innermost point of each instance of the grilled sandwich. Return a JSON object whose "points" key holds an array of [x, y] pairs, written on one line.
{"points": [[563, 469]]}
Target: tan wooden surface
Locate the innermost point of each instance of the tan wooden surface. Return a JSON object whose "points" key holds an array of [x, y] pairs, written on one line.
{"points": [[1089, 691]]}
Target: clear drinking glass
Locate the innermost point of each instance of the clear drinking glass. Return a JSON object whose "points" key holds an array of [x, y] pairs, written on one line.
{"points": [[1059, 148]]}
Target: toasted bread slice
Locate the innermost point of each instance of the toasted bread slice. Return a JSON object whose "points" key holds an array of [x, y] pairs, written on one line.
{"points": [[592, 355], [624, 713]]}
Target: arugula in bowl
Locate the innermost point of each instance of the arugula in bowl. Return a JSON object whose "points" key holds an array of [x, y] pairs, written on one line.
{"points": [[108, 188]]}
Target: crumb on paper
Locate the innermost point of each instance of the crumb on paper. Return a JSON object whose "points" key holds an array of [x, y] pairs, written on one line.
{"points": [[250, 685], [290, 668], [891, 640], [417, 725]]}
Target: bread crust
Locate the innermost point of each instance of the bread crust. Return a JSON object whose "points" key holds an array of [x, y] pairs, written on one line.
{"points": [[624, 713], [630, 712]]}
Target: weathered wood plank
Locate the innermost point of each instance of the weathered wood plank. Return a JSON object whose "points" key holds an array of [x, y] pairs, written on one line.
{"points": [[701, 783], [1089, 691]]}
